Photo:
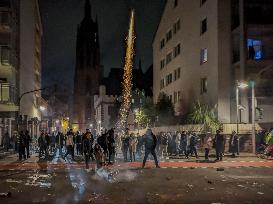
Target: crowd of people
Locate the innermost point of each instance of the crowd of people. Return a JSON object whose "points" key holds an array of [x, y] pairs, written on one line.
{"points": [[103, 148]]}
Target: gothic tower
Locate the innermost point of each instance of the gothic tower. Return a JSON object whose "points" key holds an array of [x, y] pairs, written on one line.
{"points": [[88, 71]]}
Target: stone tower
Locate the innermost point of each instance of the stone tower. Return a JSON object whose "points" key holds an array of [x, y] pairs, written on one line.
{"points": [[88, 71]]}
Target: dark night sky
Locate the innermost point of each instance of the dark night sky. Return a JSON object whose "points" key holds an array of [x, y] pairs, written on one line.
{"points": [[60, 19]]}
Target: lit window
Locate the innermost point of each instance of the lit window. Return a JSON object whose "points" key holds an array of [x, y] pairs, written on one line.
{"points": [[204, 85], [169, 58], [204, 55], [178, 96], [177, 50], [255, 51], [203, 26], [169, 35], [5, 55], [4, 92]]}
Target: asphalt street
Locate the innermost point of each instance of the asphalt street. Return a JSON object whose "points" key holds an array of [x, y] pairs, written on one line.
{"points": [[62, 182]]}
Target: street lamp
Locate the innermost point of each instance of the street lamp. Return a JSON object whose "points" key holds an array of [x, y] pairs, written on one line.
{"points": [[42, 108], [239, 85], [243, 85]]}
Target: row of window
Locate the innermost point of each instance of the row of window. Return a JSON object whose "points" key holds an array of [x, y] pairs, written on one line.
{"points": [[169, 56], [203, 86], [176, 97], [170, 78], [169, 35], [175, 4]]}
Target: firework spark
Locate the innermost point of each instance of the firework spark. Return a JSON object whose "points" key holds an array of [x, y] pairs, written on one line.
{"points": [[127, 77]]}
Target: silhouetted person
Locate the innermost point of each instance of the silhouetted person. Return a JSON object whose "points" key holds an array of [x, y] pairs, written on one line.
{"points": [[251, 52], [21, 145], [150, 145], [27, 142], [87, 149], [111, 146], [219, 141]]}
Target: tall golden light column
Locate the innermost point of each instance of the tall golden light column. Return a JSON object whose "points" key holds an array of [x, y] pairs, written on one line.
{"points": [[127, 77]]}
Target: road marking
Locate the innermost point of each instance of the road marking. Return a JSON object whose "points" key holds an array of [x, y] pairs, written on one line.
{"points": [[174, 167]]}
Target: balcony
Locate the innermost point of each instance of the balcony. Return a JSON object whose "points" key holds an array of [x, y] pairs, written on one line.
{"points": [[7, 93]]}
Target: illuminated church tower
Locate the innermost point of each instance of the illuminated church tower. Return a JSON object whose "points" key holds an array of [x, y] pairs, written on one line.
{"points": [[88, 71]]}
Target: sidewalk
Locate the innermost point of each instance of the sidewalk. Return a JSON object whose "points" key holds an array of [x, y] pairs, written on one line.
{"points": [[4, 153]]}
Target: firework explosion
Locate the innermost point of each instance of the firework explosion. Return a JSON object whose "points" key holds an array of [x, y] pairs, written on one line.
{"points": [[127, 78]]}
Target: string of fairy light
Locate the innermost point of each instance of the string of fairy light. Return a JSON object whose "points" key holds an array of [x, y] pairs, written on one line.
{"points": [[127, 77]]}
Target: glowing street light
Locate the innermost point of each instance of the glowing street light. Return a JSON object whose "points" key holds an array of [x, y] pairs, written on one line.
{"points": [[42, 108]]}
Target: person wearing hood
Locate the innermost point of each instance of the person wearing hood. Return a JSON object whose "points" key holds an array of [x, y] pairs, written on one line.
{"points": [[150, 145]]}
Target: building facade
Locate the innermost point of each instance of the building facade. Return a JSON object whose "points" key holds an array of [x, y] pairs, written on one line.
{"points": [[30, 65], [203, 47], [9, 65], [88, 71]]}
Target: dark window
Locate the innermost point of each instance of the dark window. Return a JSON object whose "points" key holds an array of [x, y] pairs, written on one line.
{"points": [[204, 26], [169, 58], [204, 85], [162, 43], [176, 27], [177, 50], [175, 3], [4, 18], [5, 55], [169, 35], [162, 64], [202, 2]]}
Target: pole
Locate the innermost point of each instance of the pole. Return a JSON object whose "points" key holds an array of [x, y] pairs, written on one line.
{"points": [[253, 117], [237, 108]]}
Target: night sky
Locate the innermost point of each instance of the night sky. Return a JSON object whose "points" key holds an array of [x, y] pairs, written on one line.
{"points": [[61, 17]]}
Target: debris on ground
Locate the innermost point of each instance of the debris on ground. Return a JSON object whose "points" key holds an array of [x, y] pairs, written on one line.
{"points": [[168, 178], [96, 197], [260, 193], [220, 169], [190, 186], [5, 195], [210, 182], [211, 188], [13, 181]]}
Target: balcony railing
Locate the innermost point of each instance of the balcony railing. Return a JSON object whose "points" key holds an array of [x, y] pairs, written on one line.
{"points": [[7, 93]]}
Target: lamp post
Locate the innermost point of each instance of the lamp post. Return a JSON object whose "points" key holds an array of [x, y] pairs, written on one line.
{"points": [[243, 85], [239, 85], [252, 84]]}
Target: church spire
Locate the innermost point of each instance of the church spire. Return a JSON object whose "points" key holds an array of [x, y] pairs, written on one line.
{"points": [[87, 8]]}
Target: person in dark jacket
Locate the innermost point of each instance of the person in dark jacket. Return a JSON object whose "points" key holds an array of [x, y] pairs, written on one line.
{"points": [[183, 143], [42, 144], [88, 134], [6, 141], [102, 141], [233, 144], [78, 143], [47, 144], [21, 146], [111, 146], [27, 142], [125, 147], [87, 149], [150, 145], [59, 144], [219, 142]]}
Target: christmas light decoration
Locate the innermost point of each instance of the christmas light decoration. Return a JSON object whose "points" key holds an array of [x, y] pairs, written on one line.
{"points": [[127, 77]]}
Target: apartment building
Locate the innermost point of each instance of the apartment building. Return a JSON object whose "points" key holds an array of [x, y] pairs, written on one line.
{"points": [[203, 47], [30, 64], [9, 64]]}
